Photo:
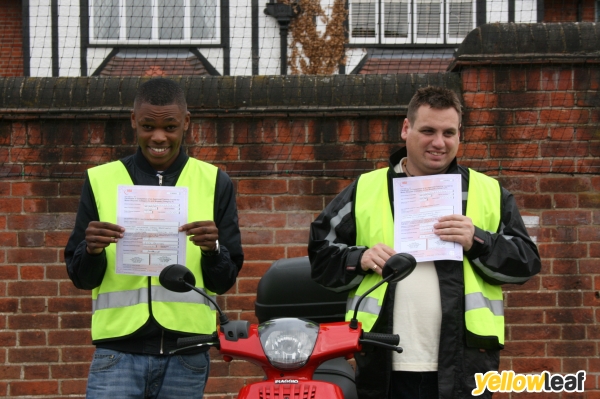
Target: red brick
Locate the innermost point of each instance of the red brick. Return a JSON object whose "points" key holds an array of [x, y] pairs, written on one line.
{"points": [[68, 371], [576, 315], [36, 205], [39, 288], [260, 186], [564, 266], [524, 316], [561, 99], [31, 239], [32, 355], [562, 133], [297, 251], [33, 222], [572, 116], [536, 365], [244, 302], [37, 372], [56, 305], [247, 286], [534, 333], [480, 100], [35, 189], [300, 220], [527, 299], [265, 220], [523, 133], [565, 282], [298, 203], [33, 305], [291, 236], [7, 339], [572, 348], [255, 203], [9, 305], [30, 388], [251, 237], [291, 131], [30, 321], [565, 218], [470, 80], [534, 201], [11, 205], [565, 200], [32, 338], [514, 150], [479, 134], [589, 200], [10, 372], [77, 354], [564, 149], [556, 79], [300, 187], [263, 253], [524, 349]]}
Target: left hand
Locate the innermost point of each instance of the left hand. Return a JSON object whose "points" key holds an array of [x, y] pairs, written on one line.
{"points": [[203, 234], [456, 228]]}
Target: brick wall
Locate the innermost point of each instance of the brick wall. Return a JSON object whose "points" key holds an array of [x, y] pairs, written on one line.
{"points": [[11, 57], [290, 144]]}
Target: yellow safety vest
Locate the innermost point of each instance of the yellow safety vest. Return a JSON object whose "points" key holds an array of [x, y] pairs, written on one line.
{"points": [[484, 309], [120, 305]]}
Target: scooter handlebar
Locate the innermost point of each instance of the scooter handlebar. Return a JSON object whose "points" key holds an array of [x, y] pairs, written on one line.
{"points": [[390, 339], [198, 339]]}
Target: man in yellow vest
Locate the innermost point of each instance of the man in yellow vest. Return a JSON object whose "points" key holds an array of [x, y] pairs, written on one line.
{"points": [[449, 314], [135, 321]]}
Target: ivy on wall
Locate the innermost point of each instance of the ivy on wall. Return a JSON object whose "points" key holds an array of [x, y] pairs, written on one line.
{"points": [[317, 51]]}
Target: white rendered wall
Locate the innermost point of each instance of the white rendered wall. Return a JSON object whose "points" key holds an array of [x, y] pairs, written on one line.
{"points": [[40, 31], [69, 38], [95, 57], [240, 17], [526, 11], [497, 11], [268, 43]]}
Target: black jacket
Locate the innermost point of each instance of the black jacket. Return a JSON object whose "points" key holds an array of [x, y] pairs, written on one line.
{"points": [[507, 257], [219, 272]]}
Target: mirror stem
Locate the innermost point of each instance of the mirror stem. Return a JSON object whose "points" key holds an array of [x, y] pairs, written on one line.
{"points": [[354, 321]]}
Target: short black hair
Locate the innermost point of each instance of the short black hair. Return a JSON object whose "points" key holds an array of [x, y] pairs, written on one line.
{"points": [[437, 98], [160, 91]]}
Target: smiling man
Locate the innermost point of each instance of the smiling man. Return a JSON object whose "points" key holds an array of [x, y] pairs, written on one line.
{"points": [[447, 335], [132, 347]]}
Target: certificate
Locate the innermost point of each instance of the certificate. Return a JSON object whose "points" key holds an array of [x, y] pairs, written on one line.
{"points": [[151, 216], [418, 204]]}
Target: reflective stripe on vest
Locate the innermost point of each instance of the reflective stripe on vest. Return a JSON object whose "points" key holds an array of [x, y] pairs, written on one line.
{"points": [[120, 303], [374, 223]]}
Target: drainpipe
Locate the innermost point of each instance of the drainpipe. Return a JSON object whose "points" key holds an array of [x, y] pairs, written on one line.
{"points": [[283, 13]]}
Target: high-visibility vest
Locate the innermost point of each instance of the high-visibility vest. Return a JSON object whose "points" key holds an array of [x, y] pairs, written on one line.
{"points": [[121, 304], [484, 309]]}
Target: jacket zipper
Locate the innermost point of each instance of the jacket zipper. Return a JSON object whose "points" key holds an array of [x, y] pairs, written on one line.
{"points": [[162, 340], [159, 179]]}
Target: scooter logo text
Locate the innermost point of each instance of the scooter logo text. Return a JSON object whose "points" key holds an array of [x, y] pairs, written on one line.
{"points": [[508, 381], [286, 381]]}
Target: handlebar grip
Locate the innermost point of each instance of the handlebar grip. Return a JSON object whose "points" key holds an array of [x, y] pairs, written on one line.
{"points": [[198, 339], [390, 339]]}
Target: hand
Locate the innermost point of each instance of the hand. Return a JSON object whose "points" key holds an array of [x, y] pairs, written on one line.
{"points": [[374, 258], [456, 228], [100, 235], [203, 234]]}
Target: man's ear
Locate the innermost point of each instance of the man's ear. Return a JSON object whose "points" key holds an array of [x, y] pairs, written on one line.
{"points": [[133, 126], [186, 123], [405, 126]]}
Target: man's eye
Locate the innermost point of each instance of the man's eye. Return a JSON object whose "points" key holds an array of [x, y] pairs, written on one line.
{"points": [[147, 127]]}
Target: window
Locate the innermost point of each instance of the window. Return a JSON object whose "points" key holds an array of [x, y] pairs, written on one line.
{"points": [[411, 21], [154, 21]]}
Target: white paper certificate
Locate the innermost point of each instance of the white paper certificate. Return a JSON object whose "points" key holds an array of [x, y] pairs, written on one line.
{"points": [[151, 216], [418, 203]]}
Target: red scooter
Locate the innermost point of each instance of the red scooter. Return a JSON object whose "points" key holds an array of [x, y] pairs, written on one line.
{"points": [[289, 349]]}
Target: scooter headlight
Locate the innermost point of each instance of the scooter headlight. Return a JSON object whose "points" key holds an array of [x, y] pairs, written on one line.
{"points": [[288, 342]]}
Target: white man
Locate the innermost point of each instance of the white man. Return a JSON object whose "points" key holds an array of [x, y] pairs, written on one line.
{"points": [[448, 314]]}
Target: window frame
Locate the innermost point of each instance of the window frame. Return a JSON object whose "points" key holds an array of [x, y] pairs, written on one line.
{"points": [[187, 28], [444, 38]]}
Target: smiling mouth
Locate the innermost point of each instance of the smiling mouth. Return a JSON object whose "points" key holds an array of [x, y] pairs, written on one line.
{"points": [[160, 150]]}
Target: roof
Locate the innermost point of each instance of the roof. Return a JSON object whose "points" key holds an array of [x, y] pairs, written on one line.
{"points": [[392, 61], [153, 62]]}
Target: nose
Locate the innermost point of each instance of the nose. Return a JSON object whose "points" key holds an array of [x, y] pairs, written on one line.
{"points": [[438, 141], [158, 136]]}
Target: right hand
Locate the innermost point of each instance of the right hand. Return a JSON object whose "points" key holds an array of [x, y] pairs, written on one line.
{"points": [[100, 235], [374, 258]]}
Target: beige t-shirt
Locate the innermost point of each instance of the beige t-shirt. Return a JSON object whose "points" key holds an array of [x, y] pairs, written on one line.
{"points": [[418, 317]]}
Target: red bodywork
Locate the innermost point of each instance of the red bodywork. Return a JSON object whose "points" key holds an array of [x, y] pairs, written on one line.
{"points": [[334, 340]]}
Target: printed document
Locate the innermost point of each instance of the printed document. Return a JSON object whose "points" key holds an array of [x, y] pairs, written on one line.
{"points": [[418, 204], [151, 216]]}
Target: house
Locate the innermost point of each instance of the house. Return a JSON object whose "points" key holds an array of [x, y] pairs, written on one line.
{"points": [[245, 37]]}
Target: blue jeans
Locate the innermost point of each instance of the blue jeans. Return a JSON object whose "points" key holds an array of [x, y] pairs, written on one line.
{"points": [[127, 375]]}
